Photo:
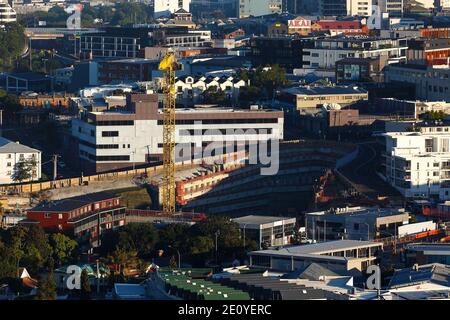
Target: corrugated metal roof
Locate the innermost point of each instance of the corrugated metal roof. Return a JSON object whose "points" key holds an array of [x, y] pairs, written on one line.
{"points": [[8, 146]]}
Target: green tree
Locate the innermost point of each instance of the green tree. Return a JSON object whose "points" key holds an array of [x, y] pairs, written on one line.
{"points": [[62, 247], [85, 293], [249, 94], [10, 105], [47, 288], [130, 13], [266, 79], [214, 95], [435, 115], [12, 39], [175, 235], [21, 172], [201, 245], [203, 236], [138, 237], [36, 248], [173, 263]]}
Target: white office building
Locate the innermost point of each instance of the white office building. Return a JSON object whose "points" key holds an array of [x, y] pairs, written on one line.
{"points": [[11, 153], [418, 163], [164, 8], [7, 13], [133, 135]]}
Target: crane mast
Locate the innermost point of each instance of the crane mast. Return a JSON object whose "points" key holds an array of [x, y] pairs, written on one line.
{"points": [[169, 65]]}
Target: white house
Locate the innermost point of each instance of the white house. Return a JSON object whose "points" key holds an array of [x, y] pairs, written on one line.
{"points": [[190, 89], [12, 153]]}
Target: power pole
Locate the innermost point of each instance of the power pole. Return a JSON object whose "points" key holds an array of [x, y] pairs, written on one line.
{"points": [[31, 56], [55, 166], [1, 121]]}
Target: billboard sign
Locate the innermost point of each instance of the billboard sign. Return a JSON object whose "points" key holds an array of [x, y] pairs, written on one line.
{"points": [[299, 23]]}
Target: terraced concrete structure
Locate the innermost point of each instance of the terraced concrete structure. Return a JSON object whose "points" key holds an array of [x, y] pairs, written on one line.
{"points": [[246, 191]]}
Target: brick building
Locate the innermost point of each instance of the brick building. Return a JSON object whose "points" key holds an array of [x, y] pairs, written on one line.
{"points": [[85, 216]]}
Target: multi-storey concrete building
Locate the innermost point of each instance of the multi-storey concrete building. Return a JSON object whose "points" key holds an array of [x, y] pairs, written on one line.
{"points": [[345, 7], [326, 52], [428, 51], [12, 153], [392, 7], [313, 97], [347, 254], [256, 8], [267, 231], [133, 135], [431, 83], [354, 223], [7, 14], [418, 163]]}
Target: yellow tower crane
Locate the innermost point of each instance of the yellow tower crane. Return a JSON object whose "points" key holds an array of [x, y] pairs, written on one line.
{"points": [[169, 65]]}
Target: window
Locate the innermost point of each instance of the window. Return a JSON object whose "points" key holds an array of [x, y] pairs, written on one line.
{"points": [[60, 216], [47, 215], [110, 133]]}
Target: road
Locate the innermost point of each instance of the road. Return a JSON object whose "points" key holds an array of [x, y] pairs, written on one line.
{"points": [[362, 172]]}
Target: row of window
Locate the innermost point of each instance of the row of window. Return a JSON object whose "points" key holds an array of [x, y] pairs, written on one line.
{"points": [[223, 121]]}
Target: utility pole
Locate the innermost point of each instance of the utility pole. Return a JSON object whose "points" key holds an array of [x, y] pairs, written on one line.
{"points": [[1, 121], [55, 166], [31, 56]]}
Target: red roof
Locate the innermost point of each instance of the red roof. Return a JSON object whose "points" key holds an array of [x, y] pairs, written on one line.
{"points": [[339, 25]]}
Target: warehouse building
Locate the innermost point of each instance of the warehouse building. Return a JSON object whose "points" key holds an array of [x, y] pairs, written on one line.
{"points": [[347, 254], [355, 223], [267, 231]]}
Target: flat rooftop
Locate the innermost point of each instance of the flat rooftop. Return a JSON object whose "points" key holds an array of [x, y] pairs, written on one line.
{"points": [[325, 90], [320, 248], [259, 219], [443, 248], [69, 204], [361, 212]]}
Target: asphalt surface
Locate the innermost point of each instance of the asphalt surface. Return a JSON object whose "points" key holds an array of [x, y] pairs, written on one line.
{"points": [[362, 172]]}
